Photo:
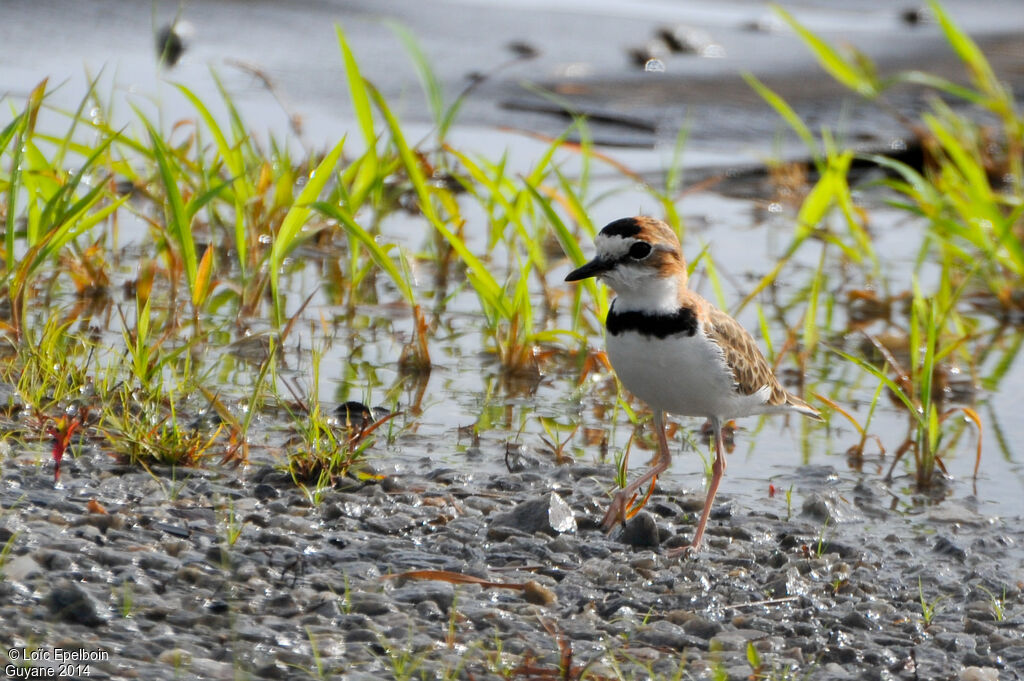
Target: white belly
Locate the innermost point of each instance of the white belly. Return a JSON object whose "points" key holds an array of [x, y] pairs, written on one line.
{"points": [[683, 375]]}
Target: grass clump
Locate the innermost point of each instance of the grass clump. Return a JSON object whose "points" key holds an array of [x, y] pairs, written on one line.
{"points": [[232, 242], [970, 187], [967, 194]]}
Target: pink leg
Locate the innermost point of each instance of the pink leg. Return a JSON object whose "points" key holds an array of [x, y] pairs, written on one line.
{"points": [[617, 511], [717, 471]]}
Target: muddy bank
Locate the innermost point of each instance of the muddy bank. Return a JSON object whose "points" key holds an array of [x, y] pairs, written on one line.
{"points": [[221, 575]]}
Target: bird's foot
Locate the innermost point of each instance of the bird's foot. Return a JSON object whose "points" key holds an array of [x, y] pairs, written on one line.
{"points": [[616, 513], [622, 507], [683, 551]]}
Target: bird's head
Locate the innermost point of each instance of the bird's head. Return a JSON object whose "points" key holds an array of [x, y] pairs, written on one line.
{"points": [[640, 258]]}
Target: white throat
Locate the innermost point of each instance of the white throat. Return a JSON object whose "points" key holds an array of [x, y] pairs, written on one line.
{"points": [[642, 290]]}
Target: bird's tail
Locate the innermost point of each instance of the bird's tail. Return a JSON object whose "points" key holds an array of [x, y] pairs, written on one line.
{"points": [[801, 407]]}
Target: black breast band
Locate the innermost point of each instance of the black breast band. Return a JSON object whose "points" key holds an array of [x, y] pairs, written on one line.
{"points": [[657, 324]]}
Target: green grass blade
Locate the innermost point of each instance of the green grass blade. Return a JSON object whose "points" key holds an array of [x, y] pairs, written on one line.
{"points": [[15, 130], [235, 162], [376, 251], [480, 275], [242, 137], [970, 166], [494, 190], [288, 236], [431, 84], [917, 186], [968, 51], [199, 201], [789, 115], [57, 210], [882, 377], [821, 198], [357, 90], [574, 204], [571, 246], [178, 221], [76, 118], [942, 85], [710, 272], [543, 165], [204, 277], [811, 331], [839, 67], [80, 226]]}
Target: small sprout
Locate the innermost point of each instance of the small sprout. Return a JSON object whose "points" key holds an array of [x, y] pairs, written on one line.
{"points": [[928, 609], [61, 431]]}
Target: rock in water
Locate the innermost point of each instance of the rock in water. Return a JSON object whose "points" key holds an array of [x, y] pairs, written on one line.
{"points": [[548, 513]]}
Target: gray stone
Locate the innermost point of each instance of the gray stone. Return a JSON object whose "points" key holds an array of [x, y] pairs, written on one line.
{"points": [[158, 562], [265, 492], [429, 611], [701, 627], [641, 532], [932, 663], [833, 672], [205, 668], [282, 605], [71, 603], [112, 558], [21, 568], [664, 634], [441, 593], [397, 523], [947, 547], [736, 639], [548, 514], [955, 642], [831, 508], [370, 604]]}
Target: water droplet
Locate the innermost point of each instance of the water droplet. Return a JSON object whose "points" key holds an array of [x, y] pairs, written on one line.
{"points": [[578, 70], [654, 66], [713, 51]]}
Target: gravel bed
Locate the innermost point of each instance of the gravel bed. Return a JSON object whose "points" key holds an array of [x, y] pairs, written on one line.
{"points": [[239, 574]]}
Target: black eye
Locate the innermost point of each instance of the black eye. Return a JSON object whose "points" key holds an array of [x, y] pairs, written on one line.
{"points": [[640, 250]]}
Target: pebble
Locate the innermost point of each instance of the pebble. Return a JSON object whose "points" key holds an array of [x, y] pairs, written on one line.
{"points": [[303, 587], [641, 532], [547, 513], [664, 634], [24, 568], [70, 602], [441, 594], [369, 604], [831, 508], [701, 627]]}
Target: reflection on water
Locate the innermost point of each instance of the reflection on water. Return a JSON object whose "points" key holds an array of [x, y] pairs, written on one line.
{"points": [[742, 227]]}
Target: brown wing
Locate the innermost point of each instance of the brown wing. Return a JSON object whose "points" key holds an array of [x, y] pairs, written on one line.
{"points": [[750, 369]]}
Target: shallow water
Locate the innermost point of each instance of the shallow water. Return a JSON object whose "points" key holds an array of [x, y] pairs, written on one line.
{"points": [[729, 127]]}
